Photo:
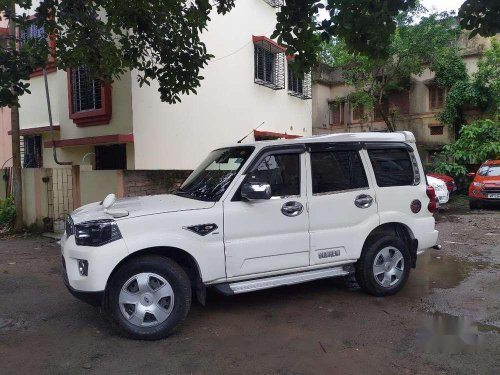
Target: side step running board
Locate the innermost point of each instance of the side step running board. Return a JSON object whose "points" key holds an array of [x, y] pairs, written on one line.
{"points": [[274, 281]]}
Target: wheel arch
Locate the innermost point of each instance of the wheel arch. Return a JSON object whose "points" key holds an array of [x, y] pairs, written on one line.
{"points": [[185, 260], [399, 230]]}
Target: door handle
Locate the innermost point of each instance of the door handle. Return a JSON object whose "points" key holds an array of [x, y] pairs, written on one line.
{"points": [[363, 201], [292, 208]]}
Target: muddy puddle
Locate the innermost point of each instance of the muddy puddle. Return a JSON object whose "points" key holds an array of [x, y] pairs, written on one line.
{"points": [[450, 334], [435, 269]]}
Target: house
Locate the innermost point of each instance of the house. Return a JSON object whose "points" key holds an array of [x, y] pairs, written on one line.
{"points": [[417, 108], [124, 126]]}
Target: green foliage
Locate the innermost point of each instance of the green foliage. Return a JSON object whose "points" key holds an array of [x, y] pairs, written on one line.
{"points": [[160, 39], [411, 48], [479, 91], [477, 142], [7, 214], [480, 16]]}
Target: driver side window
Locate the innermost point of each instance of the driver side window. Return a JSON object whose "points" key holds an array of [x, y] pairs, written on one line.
{"points": [[281, 171]]}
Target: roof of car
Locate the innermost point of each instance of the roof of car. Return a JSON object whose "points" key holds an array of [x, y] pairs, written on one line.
{"points": [[490, 162], [403, 136]]}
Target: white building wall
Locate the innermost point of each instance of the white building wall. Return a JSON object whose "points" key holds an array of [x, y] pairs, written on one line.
{"points": [[228, 105]]}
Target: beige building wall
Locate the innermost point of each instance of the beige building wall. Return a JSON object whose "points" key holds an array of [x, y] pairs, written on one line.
{"points": [[228, 105], [34, 114], [95, 185]]}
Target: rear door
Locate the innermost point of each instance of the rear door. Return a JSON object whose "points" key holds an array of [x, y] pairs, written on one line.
{"points": [[342, 202]]}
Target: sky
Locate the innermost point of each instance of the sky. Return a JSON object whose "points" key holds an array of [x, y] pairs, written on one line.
{"points": [[442, 5]]}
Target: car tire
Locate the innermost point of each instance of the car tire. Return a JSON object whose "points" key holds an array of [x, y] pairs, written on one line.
{"points": [[148, 297], [473, 204], [384, 266]]}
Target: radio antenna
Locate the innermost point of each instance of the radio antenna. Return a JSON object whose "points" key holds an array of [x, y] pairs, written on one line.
{"points": [[241, 140]]}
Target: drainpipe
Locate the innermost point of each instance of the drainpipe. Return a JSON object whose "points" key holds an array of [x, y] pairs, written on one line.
{"points": [[54, 150]]}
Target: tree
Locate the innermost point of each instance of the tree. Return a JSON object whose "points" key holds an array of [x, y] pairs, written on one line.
{"points": [[479, 91], [157, 38], [477, 142], [411, 48], [480, 17], [160, 40]]}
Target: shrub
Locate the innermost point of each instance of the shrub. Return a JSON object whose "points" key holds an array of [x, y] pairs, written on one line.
{"points": [[7, 214]]}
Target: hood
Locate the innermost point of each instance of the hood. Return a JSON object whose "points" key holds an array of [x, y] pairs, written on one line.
{"points": [[433, 181], [140, 206]]}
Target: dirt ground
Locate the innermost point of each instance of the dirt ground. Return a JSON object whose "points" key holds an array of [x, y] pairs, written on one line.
{"points": [[445, 321]]}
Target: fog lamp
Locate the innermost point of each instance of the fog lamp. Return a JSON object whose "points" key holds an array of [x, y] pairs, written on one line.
{"points": [[83, 267]]}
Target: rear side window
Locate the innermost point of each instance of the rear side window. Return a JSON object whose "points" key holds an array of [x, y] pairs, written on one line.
{"points": [[336, 171], [394, 167]]}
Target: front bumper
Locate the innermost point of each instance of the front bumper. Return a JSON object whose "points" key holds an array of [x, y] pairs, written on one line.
{"points": [[92, 298], [101, 260]]}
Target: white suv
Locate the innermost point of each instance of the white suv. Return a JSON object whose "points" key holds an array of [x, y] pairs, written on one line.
{"points": [[252, 217]]}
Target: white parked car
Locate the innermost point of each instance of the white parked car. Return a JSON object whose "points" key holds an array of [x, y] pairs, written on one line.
{"points": [[252, 217], [442, 193]]}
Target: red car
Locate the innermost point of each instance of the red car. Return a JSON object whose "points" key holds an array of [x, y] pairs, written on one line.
{"points": [[449, 181], [486, 184]]}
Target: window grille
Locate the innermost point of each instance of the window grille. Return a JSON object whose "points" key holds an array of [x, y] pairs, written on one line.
{"points": [[32, 151], [31, 32], [437, 130], [336, 113], [301, 88], [87, 95], [275, 3], [269, 65]]}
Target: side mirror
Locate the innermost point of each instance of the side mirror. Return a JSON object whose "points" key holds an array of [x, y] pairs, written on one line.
{"points": [[471, 174], [256, 190]]}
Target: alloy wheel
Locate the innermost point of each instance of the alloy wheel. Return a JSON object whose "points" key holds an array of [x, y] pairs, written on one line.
{"points": [[146, 299]]}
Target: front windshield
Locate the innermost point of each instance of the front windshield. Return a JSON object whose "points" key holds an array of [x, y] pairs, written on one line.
{"points": [[492, 170], [210, 180]]}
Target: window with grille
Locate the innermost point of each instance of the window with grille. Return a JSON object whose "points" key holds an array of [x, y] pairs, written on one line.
{"points": [[275, 3], [437, 129], [31, 32], [300, 88], [336, 113], [436, 97], [87, 93], [269, 63], [32, 153]]}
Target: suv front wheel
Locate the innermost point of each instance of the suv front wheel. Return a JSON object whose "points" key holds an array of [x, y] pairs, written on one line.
{"points": [[148, 297], [384, 266]]}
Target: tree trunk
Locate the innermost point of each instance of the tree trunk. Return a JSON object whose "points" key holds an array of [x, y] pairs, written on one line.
{"points": [[17, 181], [385, 117], [17, 186]]}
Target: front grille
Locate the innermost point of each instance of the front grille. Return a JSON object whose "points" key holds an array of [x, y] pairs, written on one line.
{"points": [[70, 226], [491, 190]]}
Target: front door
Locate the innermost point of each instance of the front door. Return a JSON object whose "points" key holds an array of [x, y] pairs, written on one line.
{"points": [[262, 236], [342, 204]]}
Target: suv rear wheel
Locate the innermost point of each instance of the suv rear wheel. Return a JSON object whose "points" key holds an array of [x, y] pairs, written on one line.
{"points": [[148, 297], [384, 266]]}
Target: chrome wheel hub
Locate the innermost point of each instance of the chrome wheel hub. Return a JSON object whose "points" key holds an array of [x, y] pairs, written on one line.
{"points": [[146, 299], [388, 267]]}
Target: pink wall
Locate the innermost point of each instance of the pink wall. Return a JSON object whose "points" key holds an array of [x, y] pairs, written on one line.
{"points": [[5, 138]]}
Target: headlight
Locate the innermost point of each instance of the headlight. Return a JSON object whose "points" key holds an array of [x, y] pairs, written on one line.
{"points": [[439, 187], [478, 184], [96, 233]]}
